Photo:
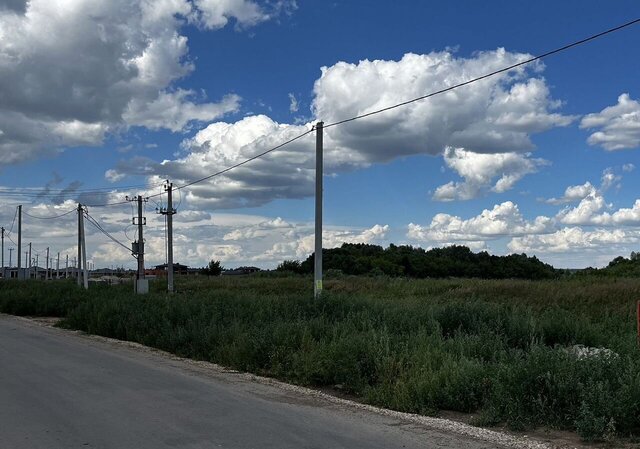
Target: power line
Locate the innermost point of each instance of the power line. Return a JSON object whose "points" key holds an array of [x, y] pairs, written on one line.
{"points": [[488, 75], [106, 204], [50, 217], [221, 172], [423, 97], [45, 192], [95, 223], [14, 220], [58, 192]]}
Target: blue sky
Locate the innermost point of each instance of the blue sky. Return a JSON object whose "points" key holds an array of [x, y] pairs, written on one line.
{"points": [[99, 121]]}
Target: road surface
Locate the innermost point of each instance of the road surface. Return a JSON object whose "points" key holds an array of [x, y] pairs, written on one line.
{"points": [[60, 389]]}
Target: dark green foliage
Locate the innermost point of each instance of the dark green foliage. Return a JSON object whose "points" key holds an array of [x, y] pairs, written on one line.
{"points": [[618, 267], [213, 269], [452, 261], [290, 266], [503, 349], [35, 298]]}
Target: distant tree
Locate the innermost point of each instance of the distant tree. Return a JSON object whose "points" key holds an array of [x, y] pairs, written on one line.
{"points": [[292, 266], [214, 268], [452, 261]]}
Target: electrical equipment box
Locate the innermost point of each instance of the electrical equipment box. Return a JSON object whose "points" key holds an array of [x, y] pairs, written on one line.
{"points": [[135, 248]]}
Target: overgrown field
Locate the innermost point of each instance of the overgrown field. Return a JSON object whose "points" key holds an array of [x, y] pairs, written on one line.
{"points": [[504, 349]]}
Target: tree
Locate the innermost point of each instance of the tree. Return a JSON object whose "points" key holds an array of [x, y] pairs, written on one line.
{"points": [[292, 266], [214, 268]]}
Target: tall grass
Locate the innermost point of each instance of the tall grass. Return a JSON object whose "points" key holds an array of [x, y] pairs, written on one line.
{"points": [[502, 349]]}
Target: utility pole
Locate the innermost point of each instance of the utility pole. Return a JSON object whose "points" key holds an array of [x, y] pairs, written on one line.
{"points": [[79, 259], [2, 252], [10, 254], [85, 274], [142, 284], [30, 261], [58, 267], [19, 240], [66, 268], [317, 272], [46, 274], [37, 264], [168, 213]]}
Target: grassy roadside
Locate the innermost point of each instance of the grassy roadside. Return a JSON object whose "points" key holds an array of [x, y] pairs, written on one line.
{"points": [[504, 349]]}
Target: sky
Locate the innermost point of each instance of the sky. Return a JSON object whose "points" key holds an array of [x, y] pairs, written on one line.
{"points": [[100, 100]]}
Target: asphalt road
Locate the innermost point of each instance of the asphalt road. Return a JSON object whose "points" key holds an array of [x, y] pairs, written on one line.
{"points": [[59, 389]]}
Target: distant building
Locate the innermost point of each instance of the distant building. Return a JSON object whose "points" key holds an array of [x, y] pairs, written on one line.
{"points": [[161, 270], [240, 271]]}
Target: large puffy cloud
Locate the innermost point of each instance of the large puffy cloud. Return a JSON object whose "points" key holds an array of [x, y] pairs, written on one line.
{"points": [[586, 212], [573, 239], [502, 220], [73, 70], [491, 116], [573, 193], [489, 121], [480, 170], [618, 126]]}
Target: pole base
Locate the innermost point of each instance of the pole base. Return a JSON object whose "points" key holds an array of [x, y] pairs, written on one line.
{"points": [[141, 286]]}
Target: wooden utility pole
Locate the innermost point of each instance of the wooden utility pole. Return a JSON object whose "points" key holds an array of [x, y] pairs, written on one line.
{"points": [[317, 272]]}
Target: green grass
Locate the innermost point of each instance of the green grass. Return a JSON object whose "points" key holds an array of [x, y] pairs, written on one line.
{"points": [[497, 348]]}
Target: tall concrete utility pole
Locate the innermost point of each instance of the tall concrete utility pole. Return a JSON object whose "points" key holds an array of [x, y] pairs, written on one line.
{"points": [[85, 274], [169, 212], [317, 272], [58, 267], [20, 276], [10, 254], [30, 261], [66, 268], [79, 259], [46, 273], [3, 251], [141, 284]]}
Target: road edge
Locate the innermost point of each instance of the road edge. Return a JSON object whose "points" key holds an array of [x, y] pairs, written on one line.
{"points": [[442, 424]]}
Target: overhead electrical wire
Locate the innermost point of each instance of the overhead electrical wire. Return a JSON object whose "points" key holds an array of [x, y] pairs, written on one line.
{"points": [[96, 224], [44, 191], [50, 217], [488, 75], [351, 119], [423, 97], [300, 136]]}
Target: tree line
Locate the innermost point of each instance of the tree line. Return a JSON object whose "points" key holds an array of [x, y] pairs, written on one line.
{"points": [[409, 261]]}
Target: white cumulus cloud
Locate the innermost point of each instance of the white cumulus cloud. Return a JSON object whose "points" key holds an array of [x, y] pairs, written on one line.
{"points": [[502, 220], [489, 122], [72, 71], [618, 126], [481, 170]]}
